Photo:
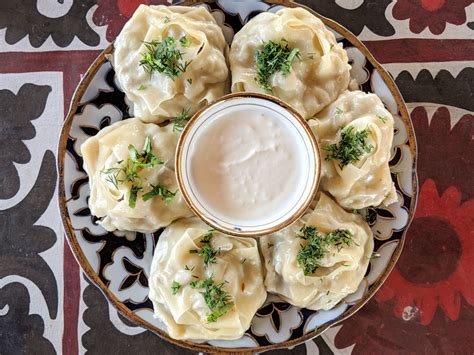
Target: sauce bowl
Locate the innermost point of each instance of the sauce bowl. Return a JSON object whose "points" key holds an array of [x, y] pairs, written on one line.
{"points": [[248, 164]]}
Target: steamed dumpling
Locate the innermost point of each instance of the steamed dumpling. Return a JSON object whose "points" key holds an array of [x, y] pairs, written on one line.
{"points": [[178, 268], [108, 162], [366, 181], [191, 31], [337, 273], [318, 74]]}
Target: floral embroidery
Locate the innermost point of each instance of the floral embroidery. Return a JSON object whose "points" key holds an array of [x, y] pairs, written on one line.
{"points": [[433, 14], [441, 145], [114, 13], [440, 235]]}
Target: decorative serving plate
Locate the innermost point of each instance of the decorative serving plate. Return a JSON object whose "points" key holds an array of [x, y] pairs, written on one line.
{"points": [[119, 262]]}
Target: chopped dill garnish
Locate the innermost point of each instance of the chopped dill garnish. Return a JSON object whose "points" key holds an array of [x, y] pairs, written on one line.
{"points": [[273, 58], [141, 87], [206, 252], [163, 57], [243, 260], [132, 201], [218, 300], [180, 121], [112, 175], [129, 171], [162, 191], [339, 111], [382, 118], [350, 148], [166, 19], [190, 81], [310, 255], [184, 41], [186, 267], [175, 286], [146, 159]]}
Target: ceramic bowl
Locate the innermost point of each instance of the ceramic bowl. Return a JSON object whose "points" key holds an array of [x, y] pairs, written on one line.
{"points": [[303, 138]]}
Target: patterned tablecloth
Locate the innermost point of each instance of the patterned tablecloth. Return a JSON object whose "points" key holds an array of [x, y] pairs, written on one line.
{"points": [[47, 305]]}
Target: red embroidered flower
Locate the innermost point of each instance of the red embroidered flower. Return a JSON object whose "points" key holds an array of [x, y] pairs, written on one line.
{"points": [[375, 330], [431, 13], [115, 13], [437, 263], [430, 287], [444, 142]]}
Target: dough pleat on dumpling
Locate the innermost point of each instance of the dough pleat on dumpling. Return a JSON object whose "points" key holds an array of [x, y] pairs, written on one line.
{"points": [[366, 182], [341, 269], [177, 264], [105, 156], [317, 76], [158, 97]]}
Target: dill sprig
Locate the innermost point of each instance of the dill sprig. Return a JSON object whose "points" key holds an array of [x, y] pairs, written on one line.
{"points": [[273, 58], [132, 200], [129, 170], [112, 174], [350, 148], [310, 255], [187, 268], [164, 57], [184, 41], [180, 121], [218, 300], [207, 252], [162, 191], [382, 118], [175, 286], [145, 159]]}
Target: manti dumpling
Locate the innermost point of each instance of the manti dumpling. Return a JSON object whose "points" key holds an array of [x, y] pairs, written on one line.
{"points": [[319, 271], [131, 176], [355, 135], [204, 284], [319, 69], [171, 59]]}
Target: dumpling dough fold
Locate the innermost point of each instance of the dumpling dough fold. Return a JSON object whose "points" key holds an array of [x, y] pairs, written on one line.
{"points": [[314, 81], [109, 202], [185, 313], [341, 271], [159, 97], [367, 182]]}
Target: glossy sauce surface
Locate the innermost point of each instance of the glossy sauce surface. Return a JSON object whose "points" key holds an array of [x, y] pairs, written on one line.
{"points": [[247, 164]]}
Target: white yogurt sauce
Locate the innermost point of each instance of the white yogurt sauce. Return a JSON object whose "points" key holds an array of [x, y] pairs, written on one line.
{"points": [[248, 164]]}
